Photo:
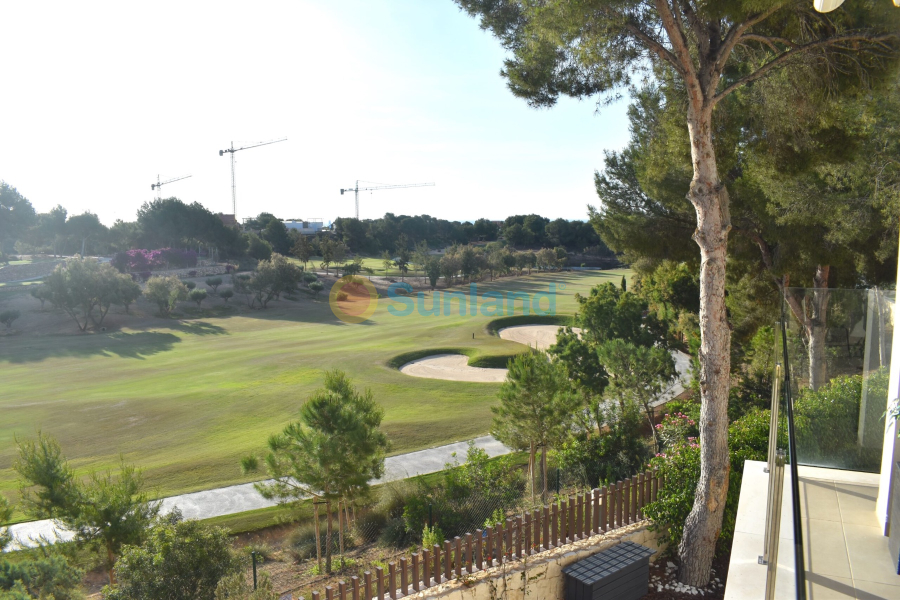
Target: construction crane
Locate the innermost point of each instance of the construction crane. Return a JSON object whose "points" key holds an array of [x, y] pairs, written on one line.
{"points": [[356, 190], [156, 186], [232, 150]]}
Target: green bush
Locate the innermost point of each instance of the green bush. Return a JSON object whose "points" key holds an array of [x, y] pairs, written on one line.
{"points": [[341, 296], [615, 454], [748, 439], [432, 536], [827, 423], [396, 535], [225, 295], [197, 296], [50, 577], [190, 285], [214, 283], [8, 316], [184, 560]]}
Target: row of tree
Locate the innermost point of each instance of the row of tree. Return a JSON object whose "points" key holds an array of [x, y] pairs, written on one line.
{"points": [[519, 231]]}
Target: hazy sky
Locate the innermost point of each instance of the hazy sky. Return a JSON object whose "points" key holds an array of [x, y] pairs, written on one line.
{"points": [[101, 97]]}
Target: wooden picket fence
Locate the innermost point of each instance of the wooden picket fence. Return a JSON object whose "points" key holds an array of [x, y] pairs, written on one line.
{"points": [[579, 517]]}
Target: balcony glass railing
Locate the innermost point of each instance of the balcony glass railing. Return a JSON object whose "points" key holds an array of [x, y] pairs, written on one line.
{"points": [[832, 358]]}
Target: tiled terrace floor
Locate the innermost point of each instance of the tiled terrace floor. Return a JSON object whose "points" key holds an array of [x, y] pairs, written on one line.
{"points": [[846, 554]]}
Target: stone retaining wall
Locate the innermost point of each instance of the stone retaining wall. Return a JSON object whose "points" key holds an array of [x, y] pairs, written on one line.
{"points": [[539, 576]]}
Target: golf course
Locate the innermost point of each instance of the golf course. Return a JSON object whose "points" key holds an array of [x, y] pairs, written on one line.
{"points": [[185, 399]]}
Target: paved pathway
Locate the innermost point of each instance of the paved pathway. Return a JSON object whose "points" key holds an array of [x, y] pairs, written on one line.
{"points": [[244, 497]]}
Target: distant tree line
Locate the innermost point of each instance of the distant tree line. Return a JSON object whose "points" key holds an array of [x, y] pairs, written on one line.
{"points": [[374, 236], [172, 223]]}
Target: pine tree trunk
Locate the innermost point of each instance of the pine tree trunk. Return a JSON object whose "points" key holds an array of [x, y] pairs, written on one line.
{"points": [[710, 200], [544, 473], [318, 535], [328, 532], [531, 473], [111, 561], [817, 329]]}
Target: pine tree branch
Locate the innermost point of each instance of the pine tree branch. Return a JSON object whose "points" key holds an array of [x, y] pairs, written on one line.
{"points": [[734, 35], [674, 30], [798, 50]]}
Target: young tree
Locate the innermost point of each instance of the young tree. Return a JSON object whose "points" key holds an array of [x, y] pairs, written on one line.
{"points": [[433, 270], [387, 261], [302, 250], [8, 316], [258, 248], [165, 292], [179, 559], [403, 255], [597, 47], [537, 408], [226, 295], [197, 296], [316, 287], [6, 511], [330, 454], [272, 278], [42, 293], [420, 256], [214, 283], [309, 278], [106, 513], [637, 375], [327, 248], [83, 285]]}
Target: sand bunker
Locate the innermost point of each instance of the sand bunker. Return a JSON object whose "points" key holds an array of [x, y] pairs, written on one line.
{"points": [[455, 367], [540, 337], [452, 367]]}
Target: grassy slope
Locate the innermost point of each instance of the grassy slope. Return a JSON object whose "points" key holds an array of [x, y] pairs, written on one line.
{"points": [[185, 400]]}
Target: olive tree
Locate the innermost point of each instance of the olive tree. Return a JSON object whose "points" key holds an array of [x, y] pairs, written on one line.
{"points": [[85, 289], [165, 292]]}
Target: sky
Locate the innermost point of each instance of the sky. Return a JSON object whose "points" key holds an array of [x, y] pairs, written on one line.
{"points": [[101, 98]]}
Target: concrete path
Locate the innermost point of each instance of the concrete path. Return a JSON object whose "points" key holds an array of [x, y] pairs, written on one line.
{"points": [[241, 498]]}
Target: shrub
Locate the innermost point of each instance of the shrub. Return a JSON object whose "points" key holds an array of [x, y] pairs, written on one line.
{"points": [[316, 287], [225, 295], [369, 525], [263, 551], [44, 577], [235, 587], [198, 296], [432, 536], [301, 543], [192, 273], [748, 439], [680, 467], [310, 277], [214, 283], [8, 316], [827, 423], [184, 560], [190, 285], [396, 535], [341, 296], [165, 292]]}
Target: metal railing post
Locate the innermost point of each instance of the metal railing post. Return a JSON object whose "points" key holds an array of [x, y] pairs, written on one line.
{"points": [[773, 522]]}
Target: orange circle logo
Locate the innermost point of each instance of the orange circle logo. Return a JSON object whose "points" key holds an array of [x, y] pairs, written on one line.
{"points": [[353, 299]]}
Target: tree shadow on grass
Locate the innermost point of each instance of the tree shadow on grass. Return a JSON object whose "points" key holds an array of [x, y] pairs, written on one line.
{"points": [[138, 345]]}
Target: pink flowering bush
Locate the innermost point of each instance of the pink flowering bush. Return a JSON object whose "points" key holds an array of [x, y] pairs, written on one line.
{"points": [[679, 464], [675, 428]]}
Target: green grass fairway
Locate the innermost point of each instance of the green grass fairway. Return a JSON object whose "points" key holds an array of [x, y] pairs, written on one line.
{"points": [[185, 400]]}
